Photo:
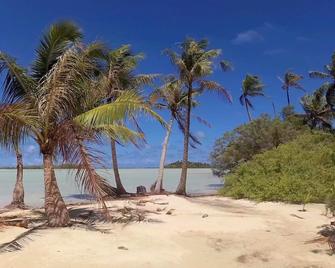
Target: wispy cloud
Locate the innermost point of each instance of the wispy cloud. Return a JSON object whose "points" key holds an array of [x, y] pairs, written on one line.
{"points": [[250, 36], [272, 52], [254, 35], [200, 134], [31, 149]]}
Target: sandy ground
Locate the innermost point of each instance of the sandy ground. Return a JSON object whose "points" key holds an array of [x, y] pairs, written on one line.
{"points": [[200, 232]]}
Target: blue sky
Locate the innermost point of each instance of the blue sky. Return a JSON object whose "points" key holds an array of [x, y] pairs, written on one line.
{"points": [[259, 37]]}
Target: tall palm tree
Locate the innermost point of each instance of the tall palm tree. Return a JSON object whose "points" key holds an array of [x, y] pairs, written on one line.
{"points": [[329, 75], [172, 98], [290, 80], [119, 75], [194, 62], [60, 91], [251, 86]]}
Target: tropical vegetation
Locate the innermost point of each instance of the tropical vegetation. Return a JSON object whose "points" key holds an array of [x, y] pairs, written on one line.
{"points": [[76, 95], [301, 168]]}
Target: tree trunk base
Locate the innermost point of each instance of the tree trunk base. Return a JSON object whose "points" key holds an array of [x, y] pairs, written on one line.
{"points": [[19, 205], [181, 192]]}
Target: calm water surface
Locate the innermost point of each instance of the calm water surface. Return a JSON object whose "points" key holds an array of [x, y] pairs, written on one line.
{"points": [[199, 181]]}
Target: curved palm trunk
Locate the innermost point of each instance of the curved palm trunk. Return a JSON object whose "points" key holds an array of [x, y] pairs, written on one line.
{"points": [[18, 193], [288, 97], [247, 108], [55, 208], [119, 187], [159, 182], [181, 189]]}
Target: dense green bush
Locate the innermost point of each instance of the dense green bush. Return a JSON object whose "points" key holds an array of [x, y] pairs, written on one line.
{"points": [[247, 140], [299, 171]]}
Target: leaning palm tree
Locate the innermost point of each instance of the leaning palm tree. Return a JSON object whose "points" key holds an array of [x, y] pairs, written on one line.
{"points": [[194, 62], [329, 75], [59, 89], [118, 76], [290, 80], [170, 97], [251, 86]]}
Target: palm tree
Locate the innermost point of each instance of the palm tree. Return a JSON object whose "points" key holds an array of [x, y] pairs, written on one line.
{"points": [[119, 75], [60, 91], [329, 75], [251, 86], [194, 62], [318, 112], [12, 132], [170, 97], [18, 192], [291, 80]]}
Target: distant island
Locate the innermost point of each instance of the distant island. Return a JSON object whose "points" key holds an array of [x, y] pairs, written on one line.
{"points": [[62, 166], [177, 164]]}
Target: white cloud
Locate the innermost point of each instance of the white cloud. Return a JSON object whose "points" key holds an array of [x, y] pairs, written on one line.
{"points": [[250, 36]]}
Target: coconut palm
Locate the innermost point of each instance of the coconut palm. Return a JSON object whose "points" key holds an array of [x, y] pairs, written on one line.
{"points": [[12, 131], [329, 75], [119, 76], [290, 80], [59, 88], [194, 62], [172, 98], [318, 112], [251, 86]]}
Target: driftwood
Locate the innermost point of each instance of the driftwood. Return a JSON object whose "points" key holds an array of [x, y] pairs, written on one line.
{"points": [[16, 222]]}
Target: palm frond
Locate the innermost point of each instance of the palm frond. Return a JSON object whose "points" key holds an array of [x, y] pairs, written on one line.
{"points": [[119, 133], [242, 97], [248, 102], [17, 83], [215, 87], [86, 176], [128, 104], [60, 89], [53, 44], [317, 74], [226, 65]]}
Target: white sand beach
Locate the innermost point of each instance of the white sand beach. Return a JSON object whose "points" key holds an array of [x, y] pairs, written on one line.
{"points": [[200, 232]]}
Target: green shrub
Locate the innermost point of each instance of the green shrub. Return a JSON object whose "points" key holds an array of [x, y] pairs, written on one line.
{"points": [[245, 141], [299, 171]]}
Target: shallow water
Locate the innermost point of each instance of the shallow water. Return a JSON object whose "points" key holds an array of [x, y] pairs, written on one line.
{"points": [[199, 181]]}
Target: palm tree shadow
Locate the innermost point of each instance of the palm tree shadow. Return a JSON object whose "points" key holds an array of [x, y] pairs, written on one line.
{"points": [[327, 232], [81, 217]]}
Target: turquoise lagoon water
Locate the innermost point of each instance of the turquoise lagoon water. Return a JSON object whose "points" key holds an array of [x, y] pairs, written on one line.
{"points": [[199, 181]]}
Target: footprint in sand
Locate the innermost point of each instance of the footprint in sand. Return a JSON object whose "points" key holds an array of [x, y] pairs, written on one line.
{"points": [[245, 258]]}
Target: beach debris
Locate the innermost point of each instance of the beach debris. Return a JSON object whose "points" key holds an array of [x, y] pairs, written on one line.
{"points": [[18, 242], [141, 190], [160, 209], [160, 203], [205, 216], [294, 215], [122, 248], [13, 221], [170, 211], [331, 242]]}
